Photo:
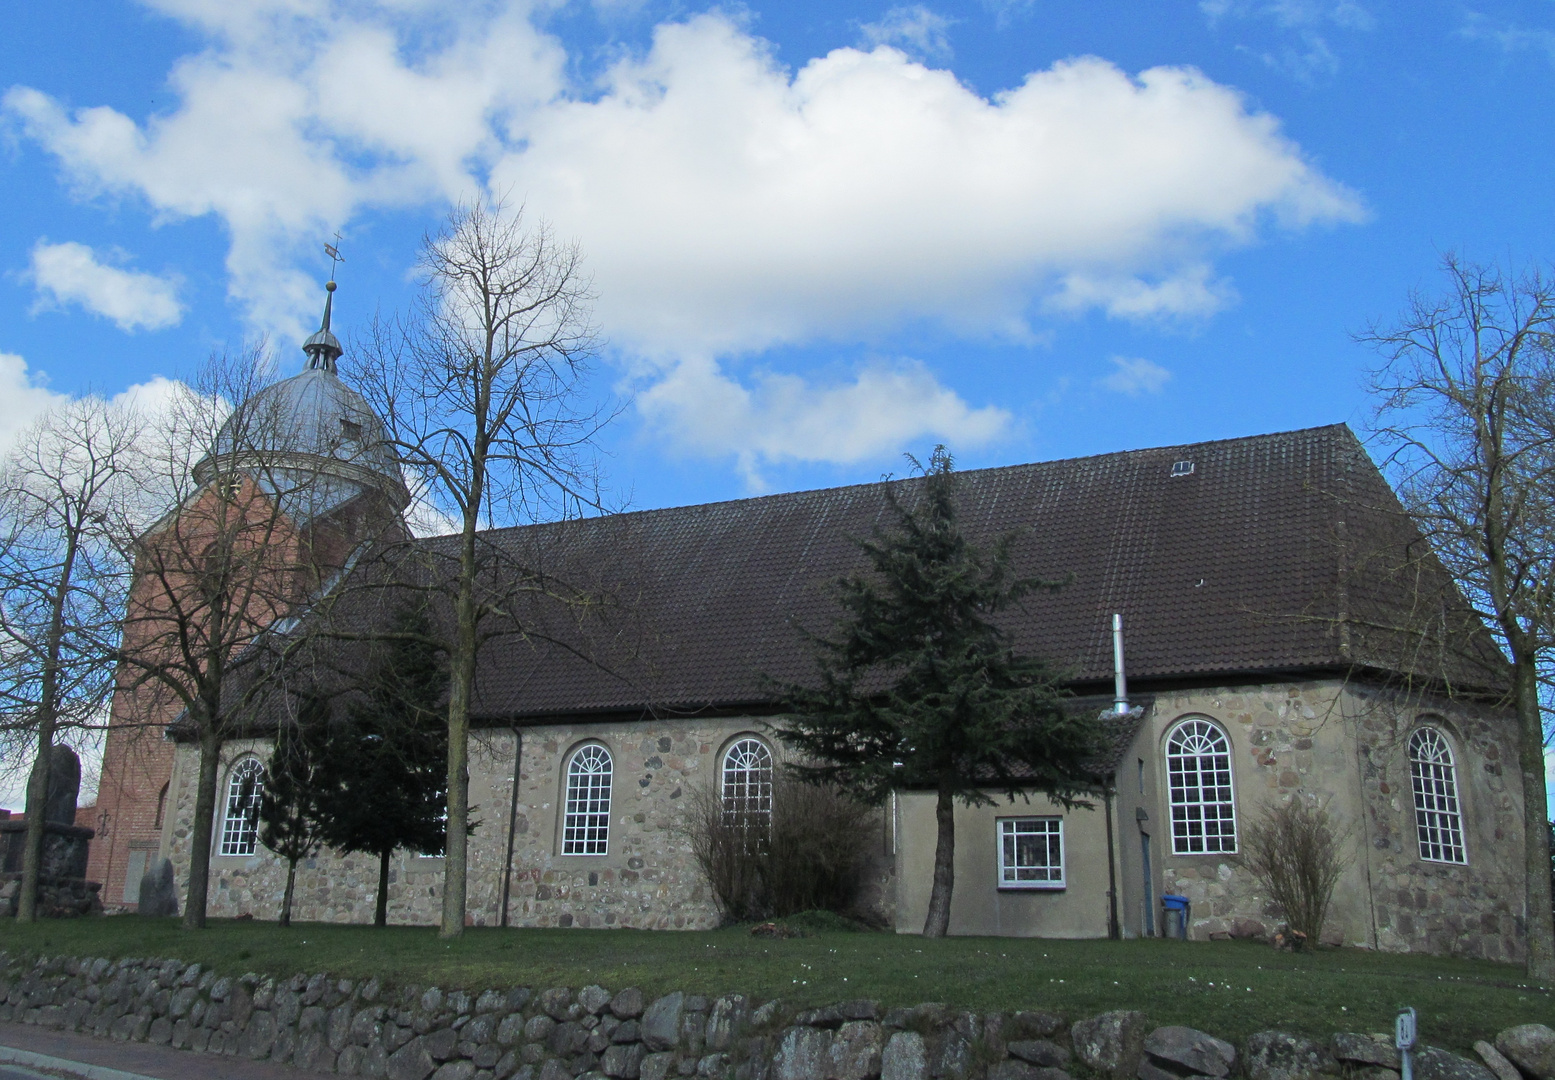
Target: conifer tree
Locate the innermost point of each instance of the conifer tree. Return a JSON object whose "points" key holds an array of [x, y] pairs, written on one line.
{"points": [[389, 755], [294, 789], [919, 687]]}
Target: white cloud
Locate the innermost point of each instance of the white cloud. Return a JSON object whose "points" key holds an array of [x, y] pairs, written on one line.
{"points": [[1307, 55], [867, 189], [912, 28], [1135, 375], [699, 409], [71, 273], [760, 206], [23, 398]]}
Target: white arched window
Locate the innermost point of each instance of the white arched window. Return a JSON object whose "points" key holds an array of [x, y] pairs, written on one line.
{"points": [[240, 824], [586, 826], [1438, 820], [1198, 771], [747, 782]]}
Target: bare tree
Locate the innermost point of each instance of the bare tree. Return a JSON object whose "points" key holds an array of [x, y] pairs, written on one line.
{"points": [[1297, 852], [1466, 406], [230, 557], [482, 389], [68, 494]]}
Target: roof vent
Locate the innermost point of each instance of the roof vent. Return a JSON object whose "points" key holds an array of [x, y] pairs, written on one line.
{"points": [[1182, 468]]}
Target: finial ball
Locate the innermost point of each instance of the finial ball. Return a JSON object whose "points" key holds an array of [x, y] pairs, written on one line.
{"points": [[330, 285]]}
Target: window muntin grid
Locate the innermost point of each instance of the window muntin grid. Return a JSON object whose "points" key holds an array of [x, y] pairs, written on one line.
{"points": [[586, 826], [240, 824], [747, 783], [1031, 853], [1198, 771], [1438, 817]]}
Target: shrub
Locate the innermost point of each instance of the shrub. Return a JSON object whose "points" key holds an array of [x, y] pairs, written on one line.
{"points": [[808, 855], [1297, 854]]}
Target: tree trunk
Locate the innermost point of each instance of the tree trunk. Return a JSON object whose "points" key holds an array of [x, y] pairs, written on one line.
{"points": [[460, 682], [37, 799], [202, 832], [48, 716], [291, 883], [938, 922], [381, 907], [1536, 829]]}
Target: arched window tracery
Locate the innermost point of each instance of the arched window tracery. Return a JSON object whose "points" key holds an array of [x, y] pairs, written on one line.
{"points": [[747, 783], [240, 823], [586, 825], [1438, 815], [1203, 804]]}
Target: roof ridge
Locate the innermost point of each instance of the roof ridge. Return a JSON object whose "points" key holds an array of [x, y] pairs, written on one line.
{"points": [[969, 473]]}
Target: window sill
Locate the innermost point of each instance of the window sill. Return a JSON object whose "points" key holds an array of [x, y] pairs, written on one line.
{"points": [[1046, 886]]}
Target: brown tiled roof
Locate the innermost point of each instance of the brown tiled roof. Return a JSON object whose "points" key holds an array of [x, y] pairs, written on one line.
{"points": [[1282, 553]]}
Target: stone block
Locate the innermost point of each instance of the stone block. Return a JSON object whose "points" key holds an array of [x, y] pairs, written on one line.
{"points": [[349, 1061], [627, 1004], [440, 1043], [1193, 1050], [1432, 1063], [803, 1053], [1043, 1053], [726, 1020], [511, 1030], [661, 1021], [623, 1060], [538, 1028], [1279, 1055], [158, 895], [1020, 1070], [314, 1054], [906, 1057], [1495, 1062], [594, 999], [410, 1062], [855, 1051], [259, 1036], [557, 1003], [1111, 1043], [1531, 1047], [455, 1070], [1358, 1049]]}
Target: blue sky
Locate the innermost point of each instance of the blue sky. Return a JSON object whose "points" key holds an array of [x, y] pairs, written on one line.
{"points": [[822, 234]]}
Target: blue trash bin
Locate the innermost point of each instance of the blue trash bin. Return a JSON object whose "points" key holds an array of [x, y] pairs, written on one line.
{"points": [[1176, 910]]}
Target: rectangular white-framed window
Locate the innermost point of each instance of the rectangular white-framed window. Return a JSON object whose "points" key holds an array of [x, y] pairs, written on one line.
{"points": [[1031, 853]]}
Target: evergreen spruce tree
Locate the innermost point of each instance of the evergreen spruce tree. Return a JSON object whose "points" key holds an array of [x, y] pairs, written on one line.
{"points": [[919, 688], [296, 779], [389, 754]]}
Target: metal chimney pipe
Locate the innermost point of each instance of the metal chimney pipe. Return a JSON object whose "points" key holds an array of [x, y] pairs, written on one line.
{"points": [[1119, 679]]}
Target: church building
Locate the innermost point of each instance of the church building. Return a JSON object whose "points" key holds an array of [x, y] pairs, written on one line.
{"points": [[1286, 634]]}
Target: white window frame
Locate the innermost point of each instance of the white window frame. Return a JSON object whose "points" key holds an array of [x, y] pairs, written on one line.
{"points": [[1008, 830], [240, 821], [1195, 747], [1433, 781], [586, 810], [746, 780]]}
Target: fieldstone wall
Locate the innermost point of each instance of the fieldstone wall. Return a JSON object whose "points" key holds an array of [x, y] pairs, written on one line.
{"points": [[647, 880], [1346, 745], [327, 1025]]}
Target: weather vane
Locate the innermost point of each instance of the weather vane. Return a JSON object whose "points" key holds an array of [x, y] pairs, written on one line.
{"points": [[335, 258]]}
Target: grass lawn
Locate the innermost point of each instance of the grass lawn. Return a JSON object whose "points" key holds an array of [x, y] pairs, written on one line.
{"points": [[1230, 989]]}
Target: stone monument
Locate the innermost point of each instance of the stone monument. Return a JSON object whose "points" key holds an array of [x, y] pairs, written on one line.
{"points": [[158, 891], [63, 890]]}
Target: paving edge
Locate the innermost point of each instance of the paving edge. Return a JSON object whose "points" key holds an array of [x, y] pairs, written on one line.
{"points": [[11, 1056]]}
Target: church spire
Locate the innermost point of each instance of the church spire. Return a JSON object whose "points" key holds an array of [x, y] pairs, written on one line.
{"points": [[323, 348]]}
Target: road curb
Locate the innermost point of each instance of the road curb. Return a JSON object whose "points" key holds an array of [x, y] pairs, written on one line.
{"points": [[11, 1056]]}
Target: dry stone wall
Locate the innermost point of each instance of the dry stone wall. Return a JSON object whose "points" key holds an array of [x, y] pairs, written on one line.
{"points": [[322, 1024]]}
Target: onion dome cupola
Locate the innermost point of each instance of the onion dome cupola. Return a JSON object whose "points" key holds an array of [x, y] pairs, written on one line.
{"points": [[311, 437]]}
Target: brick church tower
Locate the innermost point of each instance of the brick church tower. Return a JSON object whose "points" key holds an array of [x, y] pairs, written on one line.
{"points": [[346, 490]]}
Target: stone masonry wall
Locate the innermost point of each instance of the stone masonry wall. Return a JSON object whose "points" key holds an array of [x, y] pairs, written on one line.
{"points": [[1345, 745], [649, 878], [327, 1025]]}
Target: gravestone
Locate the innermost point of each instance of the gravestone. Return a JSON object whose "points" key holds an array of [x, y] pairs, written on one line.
{"points": [[59, 806], [158, 892]]}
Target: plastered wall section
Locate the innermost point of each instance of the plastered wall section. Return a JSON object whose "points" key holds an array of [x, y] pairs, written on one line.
{"points": [[1341, 743]]}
